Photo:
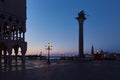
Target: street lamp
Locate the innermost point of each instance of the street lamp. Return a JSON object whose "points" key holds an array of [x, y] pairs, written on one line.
{"points": [[48, 47]]}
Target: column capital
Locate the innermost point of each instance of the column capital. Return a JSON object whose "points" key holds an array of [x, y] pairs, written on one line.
{"points": [[81, 16]]}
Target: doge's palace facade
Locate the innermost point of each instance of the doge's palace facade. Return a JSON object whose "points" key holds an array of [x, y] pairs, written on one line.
{"points": [[12, 29]]}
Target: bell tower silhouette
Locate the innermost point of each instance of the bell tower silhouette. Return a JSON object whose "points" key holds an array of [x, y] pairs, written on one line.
{"points": [[81, 18]]}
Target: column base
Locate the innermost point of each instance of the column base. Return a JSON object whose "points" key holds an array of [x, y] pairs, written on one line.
{"points": [[81, 56]]}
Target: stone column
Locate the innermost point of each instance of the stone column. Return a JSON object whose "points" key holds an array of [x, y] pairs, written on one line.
{"points": [[9, 35], [81, 18], [10, 59], [10, 56], [23, 57], [16, 34], [19, 35], [0, 57], [5, 56], [1, 33], [16, 55], [13, 35], [5, 59], [23, 60], [23, 36]]}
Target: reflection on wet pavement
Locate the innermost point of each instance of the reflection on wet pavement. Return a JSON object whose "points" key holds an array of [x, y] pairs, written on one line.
{"points": [[19, 66]]}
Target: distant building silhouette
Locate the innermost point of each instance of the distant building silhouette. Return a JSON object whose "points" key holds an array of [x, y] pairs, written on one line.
{"points": [[12, 29], [92, 50], [81, 18]]}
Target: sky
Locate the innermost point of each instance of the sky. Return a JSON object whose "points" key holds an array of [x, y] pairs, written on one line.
{"points": [[53, 21]]}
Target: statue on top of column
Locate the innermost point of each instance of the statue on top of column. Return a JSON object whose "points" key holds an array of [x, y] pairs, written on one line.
{"points": [[82, 14]]}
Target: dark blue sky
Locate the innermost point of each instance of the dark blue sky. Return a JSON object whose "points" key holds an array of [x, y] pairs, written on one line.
{"points": [[54, 21]]}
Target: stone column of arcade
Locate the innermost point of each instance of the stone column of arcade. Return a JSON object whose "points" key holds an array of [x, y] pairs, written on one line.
{"points": [[13, 33], [0, 59], [5, 59], [9, 31], [23, 36], [10, 58], [5, 56], [23, 57], [16, 55], [17, 34]]}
